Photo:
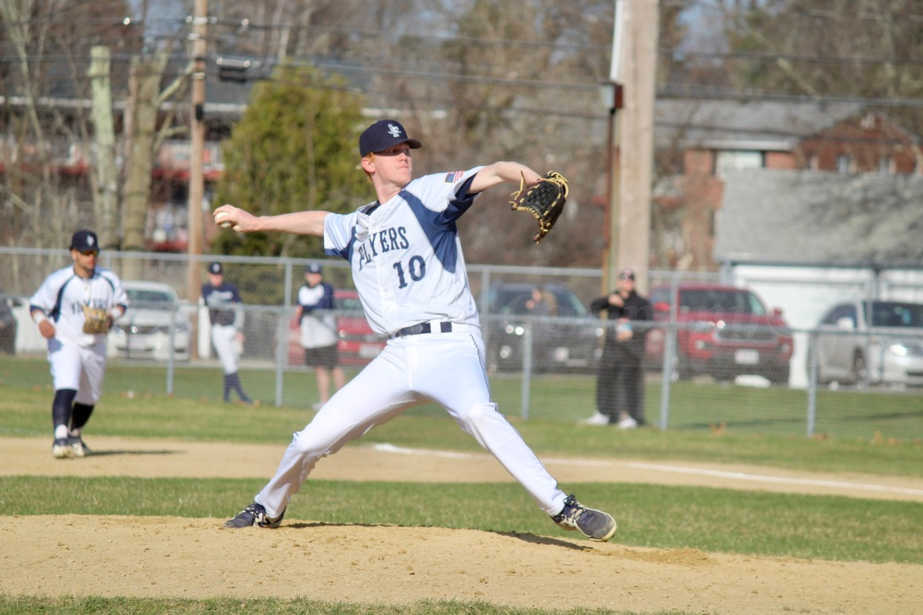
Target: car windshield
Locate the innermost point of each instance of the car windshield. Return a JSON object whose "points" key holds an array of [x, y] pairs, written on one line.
{"points": [[721, 300], [569, 305], [512, 300], [146, 297], [894, 314]]}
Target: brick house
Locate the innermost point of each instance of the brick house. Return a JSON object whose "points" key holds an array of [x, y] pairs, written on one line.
{"points": [[698, 142]]}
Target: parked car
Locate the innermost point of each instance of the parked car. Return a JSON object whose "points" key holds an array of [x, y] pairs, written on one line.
{"points": [[559, 345], [143, 332], [357, 343], [871, 341], [8, 324], [724, 331]]}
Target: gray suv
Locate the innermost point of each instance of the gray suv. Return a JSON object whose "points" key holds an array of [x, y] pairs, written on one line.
{"points": [[871, 341]]}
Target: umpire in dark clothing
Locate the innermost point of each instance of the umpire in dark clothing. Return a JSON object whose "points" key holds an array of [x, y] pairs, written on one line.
{"points": [[620, 382]]}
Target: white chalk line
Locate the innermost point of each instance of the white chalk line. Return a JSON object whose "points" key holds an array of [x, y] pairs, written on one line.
{"points": [[764, 478], [743, 476]]}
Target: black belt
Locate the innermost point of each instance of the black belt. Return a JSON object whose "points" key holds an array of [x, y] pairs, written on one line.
{"points": [[424, 327]]}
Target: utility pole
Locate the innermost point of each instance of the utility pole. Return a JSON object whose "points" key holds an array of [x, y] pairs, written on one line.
{"points": [[632, 76], [106, 181], [196, 178]]}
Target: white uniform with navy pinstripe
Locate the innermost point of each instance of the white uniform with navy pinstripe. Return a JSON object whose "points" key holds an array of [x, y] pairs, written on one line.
{"points": [[408, 268]]}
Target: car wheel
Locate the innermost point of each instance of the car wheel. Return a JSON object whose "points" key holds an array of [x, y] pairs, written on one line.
{"points": [[780, 375], [859, 373], [682, 370], [822, 377]]}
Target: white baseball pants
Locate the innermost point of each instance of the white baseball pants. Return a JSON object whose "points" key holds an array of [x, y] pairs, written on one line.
{"points": [[223, 338], [445, 367], [80, 368]]}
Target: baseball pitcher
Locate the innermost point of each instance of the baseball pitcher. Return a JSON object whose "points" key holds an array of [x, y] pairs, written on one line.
{"points": [[407, 265]]}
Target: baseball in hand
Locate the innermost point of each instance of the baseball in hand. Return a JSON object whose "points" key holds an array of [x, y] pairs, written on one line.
{"points": [[221, 219]]}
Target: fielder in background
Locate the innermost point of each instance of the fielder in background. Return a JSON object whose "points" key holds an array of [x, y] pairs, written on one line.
{"points": [[318, 331], [227, 320], [74, 309], [620, 380], [407, 266]]}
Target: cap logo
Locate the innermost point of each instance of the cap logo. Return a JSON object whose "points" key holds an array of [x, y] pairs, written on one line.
{"points": [[394, 131], [89, 240]]}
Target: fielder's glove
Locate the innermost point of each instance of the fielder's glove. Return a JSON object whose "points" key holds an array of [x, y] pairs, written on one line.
{"points": [[96, 320], [544, 200]]}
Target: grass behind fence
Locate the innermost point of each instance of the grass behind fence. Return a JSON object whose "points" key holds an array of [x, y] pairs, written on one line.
{"points": [[25, 401]]}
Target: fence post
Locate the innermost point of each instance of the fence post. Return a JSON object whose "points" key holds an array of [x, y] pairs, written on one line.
{"points": [[812, 382], [281, 351], [282, 344], [667, 365], [526, 368], [171, 356], [484, 307]]}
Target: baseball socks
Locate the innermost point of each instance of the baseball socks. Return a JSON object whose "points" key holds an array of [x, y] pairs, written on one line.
{"points": [[232, 382], [61, 409]]}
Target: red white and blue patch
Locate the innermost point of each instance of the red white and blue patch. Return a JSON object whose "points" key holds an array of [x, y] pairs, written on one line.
{"points": [[451, 178]]}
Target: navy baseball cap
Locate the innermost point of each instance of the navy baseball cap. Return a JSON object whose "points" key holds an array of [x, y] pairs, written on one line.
{"points": [[215, 268], [382, 135], [313, 268], [84, 241]]}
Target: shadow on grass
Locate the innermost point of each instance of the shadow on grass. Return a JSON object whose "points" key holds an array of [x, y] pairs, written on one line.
{"points": [[104, 453]]}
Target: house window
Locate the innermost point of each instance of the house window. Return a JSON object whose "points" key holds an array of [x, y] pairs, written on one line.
{"points": [[843, 163], [813, 162], [728, 160], [886, 165]]}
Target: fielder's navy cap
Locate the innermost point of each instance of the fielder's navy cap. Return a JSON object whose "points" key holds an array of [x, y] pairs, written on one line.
{"points": [[84, 241], [215, 268], [384, 134], [313, 268]]}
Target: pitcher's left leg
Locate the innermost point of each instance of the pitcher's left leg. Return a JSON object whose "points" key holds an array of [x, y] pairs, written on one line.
{"points": [[451, 372]]}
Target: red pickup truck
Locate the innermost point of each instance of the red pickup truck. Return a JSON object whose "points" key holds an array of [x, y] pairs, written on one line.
{"points": [[722, 331]]}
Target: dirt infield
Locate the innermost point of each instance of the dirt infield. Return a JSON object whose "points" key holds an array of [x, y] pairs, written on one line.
{"points": [[196, 558]]}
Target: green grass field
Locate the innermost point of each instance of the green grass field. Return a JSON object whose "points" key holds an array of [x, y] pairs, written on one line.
{"points": [[885, 433], [883, 439]]}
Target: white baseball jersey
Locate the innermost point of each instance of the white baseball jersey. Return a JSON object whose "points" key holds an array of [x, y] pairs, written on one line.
{"points": [[318, 327], [78, 359], [63, 294], [406, 258]]}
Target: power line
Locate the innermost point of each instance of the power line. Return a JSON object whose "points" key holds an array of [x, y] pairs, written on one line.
{"points": [[798, 58], [681, 91]]}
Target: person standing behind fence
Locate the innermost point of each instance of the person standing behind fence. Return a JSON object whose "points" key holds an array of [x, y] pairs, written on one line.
{"points": [[620, 380], [318, 331], [227, 320], [74, 309]]}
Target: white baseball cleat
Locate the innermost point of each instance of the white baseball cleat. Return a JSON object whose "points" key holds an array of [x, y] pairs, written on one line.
{"points": [[628, 423], [61, 448], [598, 418], [592, 523]]}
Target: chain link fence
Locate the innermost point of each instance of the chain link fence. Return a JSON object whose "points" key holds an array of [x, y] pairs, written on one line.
{"points": [[725, 351]]}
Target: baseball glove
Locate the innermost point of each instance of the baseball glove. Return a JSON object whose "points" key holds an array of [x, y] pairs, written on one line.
{"points": [[544, 200], [96, 320]]}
